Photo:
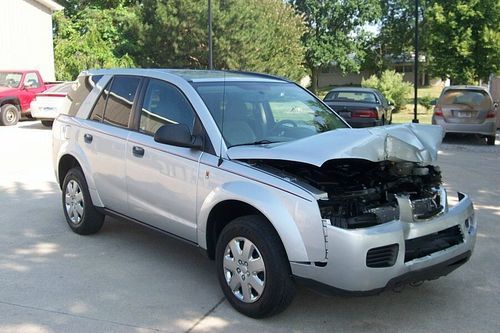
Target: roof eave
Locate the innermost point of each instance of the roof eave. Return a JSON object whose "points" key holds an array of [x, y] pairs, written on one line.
{"points": [[52, 5]]}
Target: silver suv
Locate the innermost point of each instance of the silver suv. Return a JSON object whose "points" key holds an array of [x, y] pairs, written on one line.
{"points": [[264, 177]]}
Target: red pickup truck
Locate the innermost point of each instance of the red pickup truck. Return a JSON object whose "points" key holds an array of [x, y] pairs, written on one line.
{"points": [[17, 89]]}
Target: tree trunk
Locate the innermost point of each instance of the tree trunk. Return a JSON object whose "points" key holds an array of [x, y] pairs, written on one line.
{"points": [[314, 80]]}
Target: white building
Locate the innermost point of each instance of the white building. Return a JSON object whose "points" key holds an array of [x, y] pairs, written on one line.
{"points": [[26, 35]]}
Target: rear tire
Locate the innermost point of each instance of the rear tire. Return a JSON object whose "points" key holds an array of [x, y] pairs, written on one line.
{"points": [[81, 214], [249, 254], [9, 115], [490, 140], [47, 123]]}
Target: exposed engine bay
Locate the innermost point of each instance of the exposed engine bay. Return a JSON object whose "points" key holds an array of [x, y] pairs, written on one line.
{"points": [[361, 193]]}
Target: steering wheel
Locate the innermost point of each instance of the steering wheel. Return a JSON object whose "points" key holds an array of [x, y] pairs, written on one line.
{"points": [[281, 125]]}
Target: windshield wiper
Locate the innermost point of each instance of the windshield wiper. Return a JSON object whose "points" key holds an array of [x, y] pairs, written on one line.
{"points": [[260, 142]]}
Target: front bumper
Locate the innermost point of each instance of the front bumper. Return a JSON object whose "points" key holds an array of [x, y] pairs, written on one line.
{"points": [[346, 269]]}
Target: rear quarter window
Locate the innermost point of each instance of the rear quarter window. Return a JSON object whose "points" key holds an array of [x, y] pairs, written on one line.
{"points": [[80, 89]]}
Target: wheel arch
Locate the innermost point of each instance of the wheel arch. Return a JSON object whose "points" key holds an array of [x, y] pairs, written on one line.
{"points": [[70, 158], [237, 199], [11, 100]]}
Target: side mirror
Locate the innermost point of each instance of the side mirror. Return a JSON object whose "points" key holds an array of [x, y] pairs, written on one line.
{"points": [[434, 102], [177, 135]]}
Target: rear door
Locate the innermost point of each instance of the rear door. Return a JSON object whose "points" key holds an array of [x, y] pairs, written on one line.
{"points": [[103, 137], [465, 106], [162, 179]]}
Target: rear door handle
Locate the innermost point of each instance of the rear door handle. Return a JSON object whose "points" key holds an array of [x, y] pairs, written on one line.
{"points": [[88, 138], [138, 151]]}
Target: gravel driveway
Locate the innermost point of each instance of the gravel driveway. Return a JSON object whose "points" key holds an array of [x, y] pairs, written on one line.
{"points": [[130, 279]]}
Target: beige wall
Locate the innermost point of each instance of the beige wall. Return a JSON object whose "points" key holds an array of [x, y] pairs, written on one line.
{"points": [[26, 37], [336, 78]]}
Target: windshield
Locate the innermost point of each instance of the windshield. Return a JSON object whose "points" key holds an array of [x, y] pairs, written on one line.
{"points": [[10, 79], [351, 96], [265, 112]]}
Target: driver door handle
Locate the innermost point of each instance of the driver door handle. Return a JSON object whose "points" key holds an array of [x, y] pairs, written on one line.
{"points": [[138, 151]]}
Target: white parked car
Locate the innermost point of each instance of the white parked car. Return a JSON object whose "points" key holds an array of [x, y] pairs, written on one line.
{"points": [[48, 105], [263, 177]]}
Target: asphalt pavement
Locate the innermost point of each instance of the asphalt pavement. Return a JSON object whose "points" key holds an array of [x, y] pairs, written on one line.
{"points": [[131, 279]]}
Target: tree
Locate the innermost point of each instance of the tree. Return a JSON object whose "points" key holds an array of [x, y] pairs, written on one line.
{"points": [[464, 39], [257, 35], [335, 34], [89, 39]]}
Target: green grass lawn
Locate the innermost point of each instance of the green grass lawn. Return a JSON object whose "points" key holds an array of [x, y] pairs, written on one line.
{"points": [[405, 115]]}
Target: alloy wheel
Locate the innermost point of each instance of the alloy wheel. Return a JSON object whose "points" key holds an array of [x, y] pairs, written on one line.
{"points": [[73, 201], [244, 269]]}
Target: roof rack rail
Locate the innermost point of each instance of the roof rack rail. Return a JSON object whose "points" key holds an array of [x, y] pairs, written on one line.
{"points": [[269, 76]]}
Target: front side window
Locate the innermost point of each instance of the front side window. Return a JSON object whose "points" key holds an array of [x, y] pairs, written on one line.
{"points": [[164, 104], [120, 100], [31, 80], [265, 112]]}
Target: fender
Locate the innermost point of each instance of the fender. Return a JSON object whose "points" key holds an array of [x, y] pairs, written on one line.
{"points": [[68, 147], [278, 207], [10, 100]]}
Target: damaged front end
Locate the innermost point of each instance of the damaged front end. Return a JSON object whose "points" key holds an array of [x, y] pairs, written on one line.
{"points": [[359, 193], [386, 223]]}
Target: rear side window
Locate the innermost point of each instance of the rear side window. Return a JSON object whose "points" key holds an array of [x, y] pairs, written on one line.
{"points": [[80, 89], [98, 110], [120, 99]]}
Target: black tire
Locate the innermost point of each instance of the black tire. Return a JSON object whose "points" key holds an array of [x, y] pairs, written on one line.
{"points": [[490, 140], [47, 123], [279, 287], [90, 221], [9, 115]]}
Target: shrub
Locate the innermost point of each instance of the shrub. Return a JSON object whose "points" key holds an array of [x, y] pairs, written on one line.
{"points": [[391, 85], [426, 102]]}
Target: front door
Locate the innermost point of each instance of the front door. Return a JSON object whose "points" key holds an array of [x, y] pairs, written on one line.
{"points": [[162, 179], [30, 87]]}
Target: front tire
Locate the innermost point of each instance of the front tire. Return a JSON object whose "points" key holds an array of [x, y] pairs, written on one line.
{"points": [[47, 123], [81, 214], [9, 115], [252, 267]]}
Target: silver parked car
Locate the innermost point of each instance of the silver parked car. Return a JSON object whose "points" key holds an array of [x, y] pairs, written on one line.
{"points": [[264, 177], [466, 109]]}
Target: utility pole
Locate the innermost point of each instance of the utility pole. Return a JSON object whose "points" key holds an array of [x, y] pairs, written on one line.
{"points": [[210, 55], [415, 70]]}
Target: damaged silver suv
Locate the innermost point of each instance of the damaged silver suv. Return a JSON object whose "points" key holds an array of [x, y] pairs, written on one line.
{"points": [[265, 178]]}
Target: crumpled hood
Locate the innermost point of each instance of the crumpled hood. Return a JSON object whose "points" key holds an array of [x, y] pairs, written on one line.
{"points": [[7, 91], [407, 142]]}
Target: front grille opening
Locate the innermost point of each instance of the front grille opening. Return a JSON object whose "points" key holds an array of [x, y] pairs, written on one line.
{"points": [[422, 246], [384, 256]]}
